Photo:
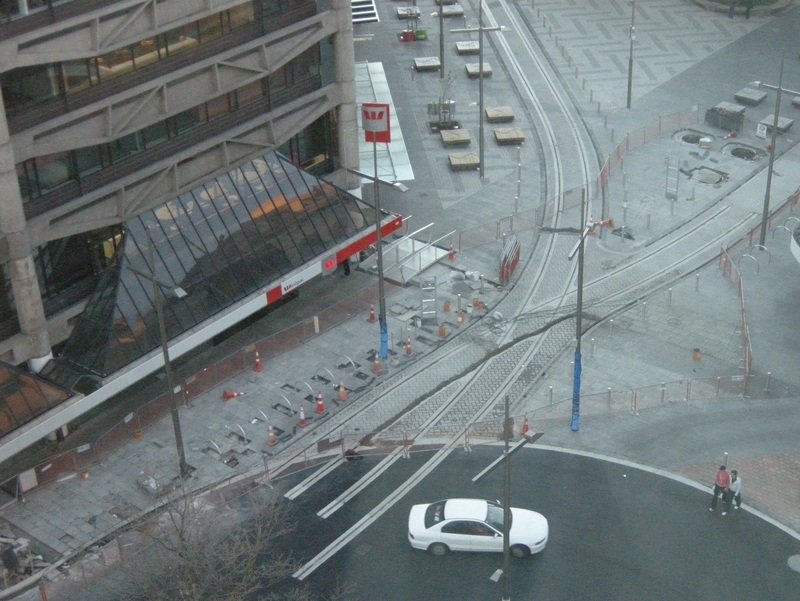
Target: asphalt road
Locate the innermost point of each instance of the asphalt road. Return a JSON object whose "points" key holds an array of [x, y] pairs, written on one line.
{"points": [[615, 533]]}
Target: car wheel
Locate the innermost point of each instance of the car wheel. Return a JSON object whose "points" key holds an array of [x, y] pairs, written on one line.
{"points": [[438, 549], [520, 551]]}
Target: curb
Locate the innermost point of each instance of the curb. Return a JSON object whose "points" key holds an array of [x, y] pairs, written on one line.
{"points": [[757, 11]]}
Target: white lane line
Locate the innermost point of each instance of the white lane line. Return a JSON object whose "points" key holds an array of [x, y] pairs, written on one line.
{"points": [[396, 454], [377, 512], [314, 478], [351, 492]]}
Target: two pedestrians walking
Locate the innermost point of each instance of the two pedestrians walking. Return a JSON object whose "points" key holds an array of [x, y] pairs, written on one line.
{"points": [[727, 486]]}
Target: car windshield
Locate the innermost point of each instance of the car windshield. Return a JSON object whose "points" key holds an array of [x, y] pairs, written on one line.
{"points": [[495, 517], [435, 513]]}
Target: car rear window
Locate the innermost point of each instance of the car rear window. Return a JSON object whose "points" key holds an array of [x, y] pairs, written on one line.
{"points": [[434, 513]]}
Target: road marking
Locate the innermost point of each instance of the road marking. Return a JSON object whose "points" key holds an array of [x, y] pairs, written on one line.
{"points": [[314, 478], [351, 492], [377, 512]]}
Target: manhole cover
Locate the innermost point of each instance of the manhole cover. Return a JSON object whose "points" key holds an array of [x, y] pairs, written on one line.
{"points": [[691, 138], [705, 175]]}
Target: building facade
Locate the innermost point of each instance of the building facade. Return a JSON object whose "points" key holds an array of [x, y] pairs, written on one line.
{"points": [[110, 108]]}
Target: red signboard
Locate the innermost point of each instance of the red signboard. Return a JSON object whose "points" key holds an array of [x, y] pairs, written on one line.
{"points": [[375, 120]]}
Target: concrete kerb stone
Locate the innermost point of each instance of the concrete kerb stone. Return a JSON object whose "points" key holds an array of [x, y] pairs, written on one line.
{"points": [[756, 11]]}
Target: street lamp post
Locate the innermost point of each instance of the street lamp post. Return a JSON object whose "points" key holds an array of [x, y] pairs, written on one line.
{"points": [[506, 505], [765, 213], [576, 381], [441, 39], [632, 36], [480, 31], [383, 352], [527, 438], [158, 300]]}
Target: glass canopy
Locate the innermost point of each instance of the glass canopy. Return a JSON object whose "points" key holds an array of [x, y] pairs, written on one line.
{"points": [[24, 397], [218, 243]]}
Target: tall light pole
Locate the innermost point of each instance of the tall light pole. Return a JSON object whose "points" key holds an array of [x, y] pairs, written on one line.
{"points": [[383, 352], [632, 35], [158, 300], [441, 39], [576, 381], [765, 213], [506, 505], [527, 438], [480, 31]]}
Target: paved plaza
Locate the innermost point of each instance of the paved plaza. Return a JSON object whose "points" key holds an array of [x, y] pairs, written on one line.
{"points": [[649, 396]]}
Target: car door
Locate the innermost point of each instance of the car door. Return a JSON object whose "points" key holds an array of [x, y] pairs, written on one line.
{"points": [[457, 534], [485, 538]]}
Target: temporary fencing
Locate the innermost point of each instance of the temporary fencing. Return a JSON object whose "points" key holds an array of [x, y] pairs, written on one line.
{"points": [[747, 249], [530, 219]]}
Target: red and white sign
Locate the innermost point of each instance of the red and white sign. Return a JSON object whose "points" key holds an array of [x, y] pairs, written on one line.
{"points": [[375, 120]]}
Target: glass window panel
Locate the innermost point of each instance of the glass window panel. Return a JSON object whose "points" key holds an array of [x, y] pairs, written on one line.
{"points": [[27, 183], [241, 15], [53, 170], [225, 253], [187, 120], [218, 106], [145, 53], [155, 134], [273, 206], [77, 76], [28, 85], [125, 146], [250, 93], [210, 28], [88, 160]]}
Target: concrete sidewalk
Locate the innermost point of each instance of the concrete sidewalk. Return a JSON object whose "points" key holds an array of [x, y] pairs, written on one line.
{"points": [[646, 346]]}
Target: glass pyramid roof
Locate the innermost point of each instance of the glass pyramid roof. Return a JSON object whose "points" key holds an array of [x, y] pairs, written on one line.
{"points": [[220, 243]]}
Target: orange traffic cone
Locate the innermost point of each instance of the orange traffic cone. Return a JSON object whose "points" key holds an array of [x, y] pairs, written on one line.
{"points": [[372, 313], [272, 440], [302, 423], [376, 367], [452, 254], [320, 404], [408, 347], [525, 427], [258, 366], [227, 396], [342, 391]]}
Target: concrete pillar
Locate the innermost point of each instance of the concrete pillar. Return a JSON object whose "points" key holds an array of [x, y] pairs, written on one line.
{"points": [[21, 268], [345, 73]]}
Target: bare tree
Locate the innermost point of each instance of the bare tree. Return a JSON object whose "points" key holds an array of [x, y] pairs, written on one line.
{"points": [[202, 550]]}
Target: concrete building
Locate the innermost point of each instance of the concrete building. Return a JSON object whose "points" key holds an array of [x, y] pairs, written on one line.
{"points": [[120, 121]]}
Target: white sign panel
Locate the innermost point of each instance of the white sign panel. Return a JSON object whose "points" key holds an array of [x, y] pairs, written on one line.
{"points": [[302, 277]]}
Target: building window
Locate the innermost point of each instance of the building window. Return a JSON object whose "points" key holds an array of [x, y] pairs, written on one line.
{"points": [[42, 174], [26, 86]]}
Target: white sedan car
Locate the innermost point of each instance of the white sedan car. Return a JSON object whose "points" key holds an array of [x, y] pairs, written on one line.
{"points": [[474, 525]]}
